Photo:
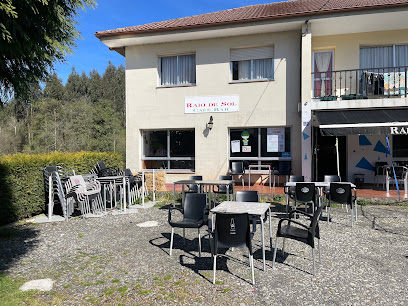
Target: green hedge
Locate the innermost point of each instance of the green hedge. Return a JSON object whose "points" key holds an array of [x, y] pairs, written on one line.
{"points": [[22, 184]]}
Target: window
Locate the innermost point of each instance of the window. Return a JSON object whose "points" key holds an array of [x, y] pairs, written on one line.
{"points": [[177, 70], [251, 64], [400, 145], [384, 56], [169, 149], [260, 146], [322, 80]]}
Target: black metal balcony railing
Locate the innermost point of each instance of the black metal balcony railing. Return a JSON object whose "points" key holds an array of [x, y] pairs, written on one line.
{"points": [[360, 83]]}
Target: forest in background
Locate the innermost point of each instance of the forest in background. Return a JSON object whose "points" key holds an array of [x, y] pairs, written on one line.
{"points": [[88, 113]]}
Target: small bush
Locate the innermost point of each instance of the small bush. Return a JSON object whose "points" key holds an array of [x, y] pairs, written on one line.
{"points": [[22, 183]]}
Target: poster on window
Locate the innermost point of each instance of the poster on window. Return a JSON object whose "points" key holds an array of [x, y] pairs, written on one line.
{"points": [[275, 140], [235, 147], [246, 149]]}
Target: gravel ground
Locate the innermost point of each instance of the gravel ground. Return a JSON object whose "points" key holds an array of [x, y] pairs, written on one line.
{"points": [[111, 260]]}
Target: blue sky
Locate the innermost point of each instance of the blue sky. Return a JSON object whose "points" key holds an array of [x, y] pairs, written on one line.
{"points": [[111, 14]]}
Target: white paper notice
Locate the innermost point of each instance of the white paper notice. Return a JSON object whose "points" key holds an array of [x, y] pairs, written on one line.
{"points": [[275, 140], [246, 149], [235, 146]]}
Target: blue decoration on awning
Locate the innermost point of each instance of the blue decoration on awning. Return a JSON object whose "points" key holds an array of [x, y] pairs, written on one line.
{"points": [[363, 141], [365, 164], [379, 147], [305, 136]]}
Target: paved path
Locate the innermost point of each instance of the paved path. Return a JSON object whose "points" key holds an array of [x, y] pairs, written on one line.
{"points": [[112, 260]]}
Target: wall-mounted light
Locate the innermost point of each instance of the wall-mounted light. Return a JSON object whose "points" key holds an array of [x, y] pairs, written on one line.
{"points": [[210, 123]]}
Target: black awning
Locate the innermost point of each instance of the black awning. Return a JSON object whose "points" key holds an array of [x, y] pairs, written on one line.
{"points": [[371, 121]]}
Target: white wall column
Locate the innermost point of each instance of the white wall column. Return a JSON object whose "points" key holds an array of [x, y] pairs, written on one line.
{"points": [[306, 94]]}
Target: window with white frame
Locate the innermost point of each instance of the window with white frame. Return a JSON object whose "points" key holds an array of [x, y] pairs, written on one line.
{"points": [[260, 145], [177, 70], [169, 149], [384, 56], [252, 64]]}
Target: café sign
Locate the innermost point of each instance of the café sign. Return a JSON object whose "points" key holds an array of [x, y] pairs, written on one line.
{"points": [[399, 130], [211, 104]]}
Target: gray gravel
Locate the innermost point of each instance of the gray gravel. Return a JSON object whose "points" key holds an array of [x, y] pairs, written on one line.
{"points": [[110, 260]]}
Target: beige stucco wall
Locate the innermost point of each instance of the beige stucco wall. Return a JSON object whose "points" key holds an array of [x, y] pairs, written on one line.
{"points": [[347, 47], [262, 104]]}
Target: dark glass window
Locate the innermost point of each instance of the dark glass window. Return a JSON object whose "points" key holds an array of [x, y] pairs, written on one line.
{"points": [[400, 145]]}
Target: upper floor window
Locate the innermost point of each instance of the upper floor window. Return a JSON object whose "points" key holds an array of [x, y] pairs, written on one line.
{"points": [[384, 56], [249, 64], [177, 70]]}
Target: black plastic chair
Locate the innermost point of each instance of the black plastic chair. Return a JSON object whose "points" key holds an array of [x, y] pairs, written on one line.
{"points": [[193, 188], [222, 189], [330, 179], [232, 231], [305, 193], [341, 193], [193, 216], [291, 190], [102, 170], [237, 168], [284, 168], [298, 231], [247, 196]]}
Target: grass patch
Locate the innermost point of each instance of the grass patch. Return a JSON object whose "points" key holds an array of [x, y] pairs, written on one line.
{"points": [[115, 281], [122, 289], [10, 293], [144, 292], [80, 235], [109, 291]]}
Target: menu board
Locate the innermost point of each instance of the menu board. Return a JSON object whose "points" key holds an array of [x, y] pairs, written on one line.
{"points": [[275, 140]]}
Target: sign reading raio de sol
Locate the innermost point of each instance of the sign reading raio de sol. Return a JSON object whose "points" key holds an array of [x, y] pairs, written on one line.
{"points": [[211, 104]]}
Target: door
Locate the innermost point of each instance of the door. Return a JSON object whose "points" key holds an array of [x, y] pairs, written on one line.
{"points": [[323, 64]]}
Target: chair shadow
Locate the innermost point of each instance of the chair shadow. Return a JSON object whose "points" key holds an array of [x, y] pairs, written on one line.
{"points": [[281, 258], [190, 247]]}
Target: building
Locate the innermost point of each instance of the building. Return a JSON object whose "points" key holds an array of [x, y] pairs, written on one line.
{"points": [[264, 83]]}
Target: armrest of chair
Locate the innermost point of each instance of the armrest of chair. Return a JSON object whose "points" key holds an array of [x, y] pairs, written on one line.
{"points": [[292, 212], [181, 210], [290, 221]]}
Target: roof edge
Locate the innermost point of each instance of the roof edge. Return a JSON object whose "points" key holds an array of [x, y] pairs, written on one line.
{"points": [[105, 34]]}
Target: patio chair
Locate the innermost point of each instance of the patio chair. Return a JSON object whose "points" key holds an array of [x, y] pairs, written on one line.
{"points": [[193, 216], [58, 176], [300, 232], [329, 179], [305, 193], [193, 188], [222, 189], [86, 194], [284, 168], [237, 168], [341, 193], [247, 196], [401, 173], [232, 231], [100, 169], [380, 169], [291, 190]]}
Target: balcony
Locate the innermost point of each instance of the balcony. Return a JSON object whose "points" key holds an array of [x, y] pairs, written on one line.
{"points": [[356, 84]]}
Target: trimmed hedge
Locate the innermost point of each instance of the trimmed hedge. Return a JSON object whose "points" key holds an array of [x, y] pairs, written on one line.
{"points": [[22, 182]]}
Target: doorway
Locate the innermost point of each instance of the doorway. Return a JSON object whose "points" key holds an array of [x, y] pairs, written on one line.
{"points": [[325, 156]]}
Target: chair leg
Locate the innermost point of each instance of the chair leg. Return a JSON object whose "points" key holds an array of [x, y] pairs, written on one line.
{"points": [[199, 243], [320, 251], [171, 240], [352, 215], [251, 263], [184, 236], [214, 267], [314, 262], [283, 246], [274, 253], [328, 215]]}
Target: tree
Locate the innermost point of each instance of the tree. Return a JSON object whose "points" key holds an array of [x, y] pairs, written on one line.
{"points": [[34, 34], [54, 89]]}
